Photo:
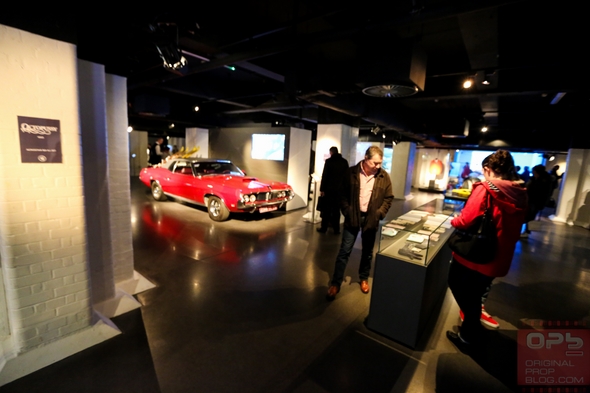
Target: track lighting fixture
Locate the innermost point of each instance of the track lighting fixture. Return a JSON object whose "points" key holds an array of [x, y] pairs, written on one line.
{"points": [[168, 47]]}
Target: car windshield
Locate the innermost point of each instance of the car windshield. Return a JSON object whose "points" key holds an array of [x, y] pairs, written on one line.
{"points": [[217, 168]]}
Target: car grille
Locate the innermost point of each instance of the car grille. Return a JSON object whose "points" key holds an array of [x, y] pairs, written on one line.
{"points": [[268, 196]]}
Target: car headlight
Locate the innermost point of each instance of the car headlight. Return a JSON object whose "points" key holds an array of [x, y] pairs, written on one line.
{"points": [[252, 198]]}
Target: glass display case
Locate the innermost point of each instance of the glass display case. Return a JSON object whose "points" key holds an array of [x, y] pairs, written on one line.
{"points": [[417, 235], [411, 270]]}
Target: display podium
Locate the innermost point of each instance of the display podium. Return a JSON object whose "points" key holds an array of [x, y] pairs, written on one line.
{"points": [[410, 272]]}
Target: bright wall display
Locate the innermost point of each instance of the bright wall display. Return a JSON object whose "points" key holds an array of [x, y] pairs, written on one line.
{"points": [[361, 149], [432, 169], [268, 147], [387, 159], [473, 158]]}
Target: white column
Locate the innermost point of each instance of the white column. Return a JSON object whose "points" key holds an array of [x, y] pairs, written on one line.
{"points": [[298, 169], [402, 169], [199, 138], [93, 122], [573, 205], [118, 177], [340, 135], [42, 222], [138, 154]]}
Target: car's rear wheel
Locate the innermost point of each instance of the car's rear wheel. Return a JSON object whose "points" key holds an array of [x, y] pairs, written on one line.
{"points": [[157, 192], [217, 209]]}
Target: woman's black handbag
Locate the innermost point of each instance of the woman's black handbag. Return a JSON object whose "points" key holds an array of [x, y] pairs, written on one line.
{"points": [[477, 244]]}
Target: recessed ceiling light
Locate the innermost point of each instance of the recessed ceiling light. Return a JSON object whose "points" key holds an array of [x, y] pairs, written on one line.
{"points": [[197, 108], [467, 84]]}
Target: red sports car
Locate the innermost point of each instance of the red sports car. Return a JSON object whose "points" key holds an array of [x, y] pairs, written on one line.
{"points": [[217, 184]]}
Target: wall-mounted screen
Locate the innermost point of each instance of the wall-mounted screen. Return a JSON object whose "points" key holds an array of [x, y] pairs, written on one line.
{"points": [[268, 147]]}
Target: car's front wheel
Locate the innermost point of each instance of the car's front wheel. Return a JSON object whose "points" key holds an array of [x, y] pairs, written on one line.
{"points": [[157, 192], [217, 209]]}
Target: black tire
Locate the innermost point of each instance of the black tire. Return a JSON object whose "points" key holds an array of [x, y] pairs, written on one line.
{"points": [[217, 209], [157, 192]]}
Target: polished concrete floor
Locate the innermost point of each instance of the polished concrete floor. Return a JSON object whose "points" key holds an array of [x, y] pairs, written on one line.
{"points": [[239, 306]]}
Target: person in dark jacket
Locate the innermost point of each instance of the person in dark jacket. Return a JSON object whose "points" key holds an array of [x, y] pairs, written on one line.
{"points": [[335, 168], [468, 281], [366, 199], [539, 189], [156, 152]]}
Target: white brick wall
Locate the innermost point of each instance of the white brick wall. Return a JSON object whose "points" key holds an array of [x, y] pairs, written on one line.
{"points": [[42, 225], [119, 194]]}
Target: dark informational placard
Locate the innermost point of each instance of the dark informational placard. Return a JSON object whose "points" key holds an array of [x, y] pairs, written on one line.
{"points": [[40, 140]]}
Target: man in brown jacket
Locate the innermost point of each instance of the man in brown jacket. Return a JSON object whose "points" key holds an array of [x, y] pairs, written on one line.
{"points": [[366, 199]]}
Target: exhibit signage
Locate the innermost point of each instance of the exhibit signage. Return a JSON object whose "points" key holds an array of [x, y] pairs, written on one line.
{"points": [[40, 140]]}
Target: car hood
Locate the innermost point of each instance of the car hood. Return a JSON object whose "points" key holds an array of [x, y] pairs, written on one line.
{"points": [[248, 182]]}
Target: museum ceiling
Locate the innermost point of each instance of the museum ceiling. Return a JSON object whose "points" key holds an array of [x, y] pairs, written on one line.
{"points": [[393, 69]]}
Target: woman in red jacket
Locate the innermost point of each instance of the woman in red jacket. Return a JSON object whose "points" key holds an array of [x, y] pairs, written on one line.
{"points": [[468, 281]]}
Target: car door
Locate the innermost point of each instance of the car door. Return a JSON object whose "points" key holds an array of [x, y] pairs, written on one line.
{"points": [[180, 181], [201, 182]]}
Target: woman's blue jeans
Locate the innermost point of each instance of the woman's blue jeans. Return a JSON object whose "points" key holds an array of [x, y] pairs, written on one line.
{"points": [[348, 239]]}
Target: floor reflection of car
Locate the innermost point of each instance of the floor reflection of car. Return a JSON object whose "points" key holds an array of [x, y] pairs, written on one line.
{"points": [[217, 184]]}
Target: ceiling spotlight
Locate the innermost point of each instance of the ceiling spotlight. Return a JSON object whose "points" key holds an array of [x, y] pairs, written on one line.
{"points": [[467, 84], [485, 82], [484, 129], [129, 129], [551, 158], [197, 108], [171, 125], [383, 136]]}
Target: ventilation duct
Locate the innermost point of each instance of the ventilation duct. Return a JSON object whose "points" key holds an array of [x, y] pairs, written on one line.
{"points": [[390, 91], [457, 132], [399, 72]]}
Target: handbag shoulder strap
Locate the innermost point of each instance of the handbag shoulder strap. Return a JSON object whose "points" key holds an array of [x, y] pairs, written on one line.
{"points": [[492, 187]]}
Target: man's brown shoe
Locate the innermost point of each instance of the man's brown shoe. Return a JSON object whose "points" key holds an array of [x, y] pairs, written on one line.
{"points": [[332, 291], [365, 286]]}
